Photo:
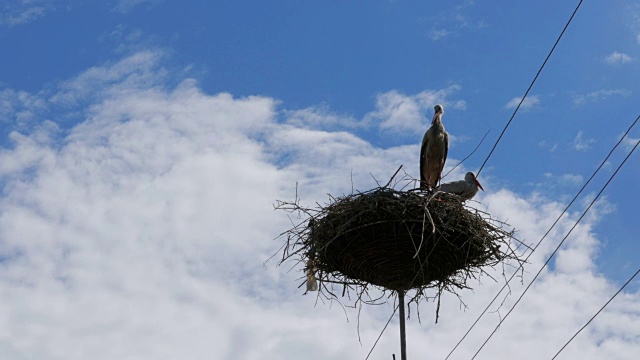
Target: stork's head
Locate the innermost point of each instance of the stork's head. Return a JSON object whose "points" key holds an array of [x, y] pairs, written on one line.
{"points": [[471, 177], [437, 115]]}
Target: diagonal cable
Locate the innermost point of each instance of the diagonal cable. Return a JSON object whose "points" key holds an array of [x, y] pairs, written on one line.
{"points": [[530, 86], [545, 235], [555, 251], [596, 314]]}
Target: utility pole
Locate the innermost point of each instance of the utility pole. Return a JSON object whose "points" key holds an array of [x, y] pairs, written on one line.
{"points": [[403, 333]]}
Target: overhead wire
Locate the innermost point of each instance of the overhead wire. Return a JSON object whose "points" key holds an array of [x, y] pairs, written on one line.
{"points": [[530, 86], [556, 250], [382, 332], [496, 144], [596, 314], [604, 161], [500, 137]]}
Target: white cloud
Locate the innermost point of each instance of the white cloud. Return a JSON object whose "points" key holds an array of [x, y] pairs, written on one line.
{"points": [[562, 180], [582, 144], [20, 107], [127, 40], [139, 70], [629, 143], [616, 58], [529, 103], [20, 12], [571, 179], [141, 233], [453, 21], [320, 117], [438, 34], [126, 6], [23, 12], [550, 147], [399, 112], [599, 95]]}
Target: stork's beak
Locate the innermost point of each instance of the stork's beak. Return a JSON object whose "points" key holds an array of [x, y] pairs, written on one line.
{"points": [[435, 116], [478, 183]]}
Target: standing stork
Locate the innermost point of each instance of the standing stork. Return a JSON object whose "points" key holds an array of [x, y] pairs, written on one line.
{"points": [[466, 188], [433, 154]]}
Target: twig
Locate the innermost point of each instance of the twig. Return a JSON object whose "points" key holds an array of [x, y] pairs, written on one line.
{"points": [[353, 238], [394, 175]]}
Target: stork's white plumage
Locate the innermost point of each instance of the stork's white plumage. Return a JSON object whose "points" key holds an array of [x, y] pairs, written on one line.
{"points": [[433, 154], [466, 188]]}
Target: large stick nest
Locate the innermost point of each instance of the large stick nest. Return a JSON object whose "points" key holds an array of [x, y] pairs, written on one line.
{"points": [[395, 240]]}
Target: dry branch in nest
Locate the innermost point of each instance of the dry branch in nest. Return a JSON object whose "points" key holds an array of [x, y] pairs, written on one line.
{"points": [[394, 240]]}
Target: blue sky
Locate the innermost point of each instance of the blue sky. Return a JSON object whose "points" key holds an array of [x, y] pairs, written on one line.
{"points": [[140, 135]]}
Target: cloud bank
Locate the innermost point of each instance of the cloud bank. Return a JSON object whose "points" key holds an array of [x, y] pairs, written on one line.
{"points": [[141, 233]]}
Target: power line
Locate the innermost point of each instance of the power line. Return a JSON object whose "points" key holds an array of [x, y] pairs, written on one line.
{"points": [[556, 250], [382, 332], [468, 156], [493, 149], [496, 144], [530, 86], [596, 314], [545, 235]]}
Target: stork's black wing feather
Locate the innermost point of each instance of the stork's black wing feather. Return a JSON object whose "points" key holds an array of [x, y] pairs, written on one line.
{"points": [[423, 160]]}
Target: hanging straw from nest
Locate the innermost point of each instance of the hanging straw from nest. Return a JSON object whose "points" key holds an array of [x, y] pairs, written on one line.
{"points": [[394, 240]]}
